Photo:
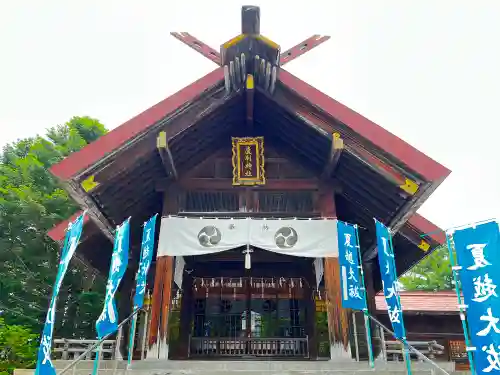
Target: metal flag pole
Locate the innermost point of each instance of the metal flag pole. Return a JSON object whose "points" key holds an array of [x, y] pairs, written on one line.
{"points": [[95, 370], [365, 309], [454, 271], [131, 341], [405, 343]]}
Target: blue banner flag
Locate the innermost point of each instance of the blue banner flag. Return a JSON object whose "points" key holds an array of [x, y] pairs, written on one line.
{"points": [[44, 364], [108, 320], [478, 255], [389, 279], [148, 242], [353, 290]]}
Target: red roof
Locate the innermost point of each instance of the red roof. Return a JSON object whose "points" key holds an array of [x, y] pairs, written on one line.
{"points": [[423, 301], [399, 149], [107, 144], [58, 232]]}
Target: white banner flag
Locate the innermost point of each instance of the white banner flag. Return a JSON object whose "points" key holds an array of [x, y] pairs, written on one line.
{"points": [[305, 238]]}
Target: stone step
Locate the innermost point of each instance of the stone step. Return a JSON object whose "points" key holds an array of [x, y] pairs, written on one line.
{"points": [[280, 366], [251, 367], [187, 371]]}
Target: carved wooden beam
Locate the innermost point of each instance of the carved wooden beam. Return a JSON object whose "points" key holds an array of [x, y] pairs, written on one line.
{"points": [[250, 89], [195, 183], [166, 155], [227, 184], [287, 99], [81, 197], [198, 46], [334, 157], [287, 56], [301, 48]]}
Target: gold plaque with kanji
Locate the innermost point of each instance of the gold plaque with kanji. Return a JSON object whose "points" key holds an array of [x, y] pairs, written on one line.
{"points": [[248, 161]]}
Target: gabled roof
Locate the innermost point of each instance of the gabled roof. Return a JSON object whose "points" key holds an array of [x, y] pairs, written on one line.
{"points": [[444, 302], [383, 176], [349, 122], [105, 146]]}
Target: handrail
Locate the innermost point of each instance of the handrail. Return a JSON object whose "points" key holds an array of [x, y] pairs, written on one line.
{"points": [[406, 344], [98, 343]]}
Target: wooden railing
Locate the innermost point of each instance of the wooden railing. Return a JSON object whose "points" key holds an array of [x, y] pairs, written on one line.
{"points": [[431, 349], [70, 349], [248, 347]]}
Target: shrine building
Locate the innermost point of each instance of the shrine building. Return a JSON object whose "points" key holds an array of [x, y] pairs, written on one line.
{"points": [[249, 141]]}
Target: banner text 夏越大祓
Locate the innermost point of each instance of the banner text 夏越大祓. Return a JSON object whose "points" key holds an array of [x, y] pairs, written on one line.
{"points": [[478, 256]]}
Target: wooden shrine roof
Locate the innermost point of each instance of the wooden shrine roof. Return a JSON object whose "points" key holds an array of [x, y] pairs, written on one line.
{"points": [[122, 173], [442, 302], [325, 106]]}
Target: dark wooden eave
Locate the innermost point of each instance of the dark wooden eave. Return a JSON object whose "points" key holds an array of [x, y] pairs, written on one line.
{"points": [[198, 120], [114, 141]]}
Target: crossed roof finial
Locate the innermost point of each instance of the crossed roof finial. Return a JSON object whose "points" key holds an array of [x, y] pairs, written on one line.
{"points": [[250, 52]]}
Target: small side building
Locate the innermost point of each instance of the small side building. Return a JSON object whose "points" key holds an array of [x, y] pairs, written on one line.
{"points": [[430, 316]]}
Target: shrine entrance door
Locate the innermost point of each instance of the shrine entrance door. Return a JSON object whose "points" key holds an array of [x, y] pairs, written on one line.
{"points": [[255, 315]]}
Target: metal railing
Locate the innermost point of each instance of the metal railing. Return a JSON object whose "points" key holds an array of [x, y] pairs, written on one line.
{"points": [[404, 345], [279, 347], [98, 343]]}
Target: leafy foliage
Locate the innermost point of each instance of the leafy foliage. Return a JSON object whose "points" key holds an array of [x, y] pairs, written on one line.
{"points": [[18, 347], [31, 202], [432, 273]]}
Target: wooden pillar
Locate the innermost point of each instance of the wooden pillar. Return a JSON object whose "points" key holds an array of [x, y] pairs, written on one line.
{"points": [[338, 318], [160, 308], [187, 305], [311, 312], [162, 290]]}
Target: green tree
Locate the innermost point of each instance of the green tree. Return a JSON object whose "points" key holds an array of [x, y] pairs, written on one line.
{"points": [[432, 273], [32, 202], [18, 347]]}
